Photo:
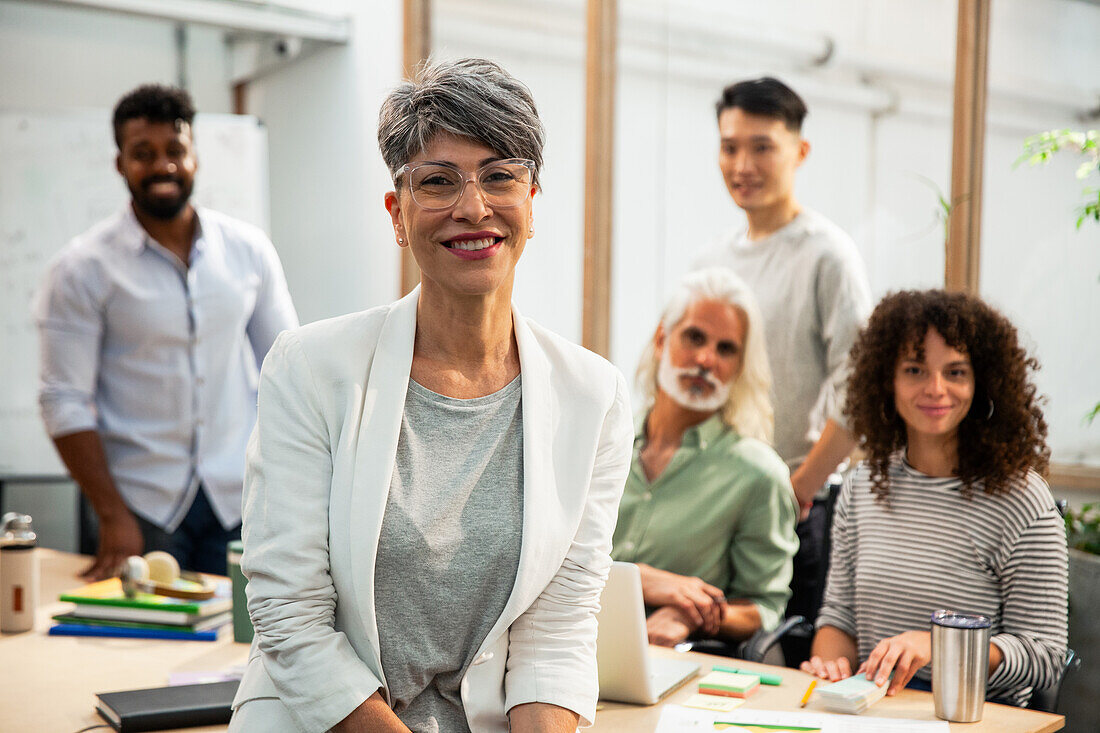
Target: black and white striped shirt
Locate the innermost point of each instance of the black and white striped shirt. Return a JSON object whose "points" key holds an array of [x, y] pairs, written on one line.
{"points": [[930, 548]]}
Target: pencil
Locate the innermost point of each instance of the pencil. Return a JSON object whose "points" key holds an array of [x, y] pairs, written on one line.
{"points": [[809, 691]]}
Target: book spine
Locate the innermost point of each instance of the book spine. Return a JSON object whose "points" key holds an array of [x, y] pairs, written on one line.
{"points": [[130, 633], [189, 608], [169, 719]]}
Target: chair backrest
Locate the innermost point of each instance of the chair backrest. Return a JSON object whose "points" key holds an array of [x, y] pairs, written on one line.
{"points": [[1046, 699], [811, 562], [811, 571]]}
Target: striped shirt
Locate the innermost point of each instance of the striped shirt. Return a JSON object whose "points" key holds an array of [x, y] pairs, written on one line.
{"points": [[931, 548]]}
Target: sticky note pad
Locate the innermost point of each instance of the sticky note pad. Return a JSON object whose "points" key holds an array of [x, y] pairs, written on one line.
{"points": [[855, 686], [852, 695], [713, 703], [729, 684]]}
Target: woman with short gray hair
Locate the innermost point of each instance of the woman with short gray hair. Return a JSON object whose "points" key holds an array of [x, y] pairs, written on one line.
{"points": [[432, 485]]}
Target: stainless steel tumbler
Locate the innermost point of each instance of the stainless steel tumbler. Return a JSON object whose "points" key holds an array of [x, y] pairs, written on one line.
{"points": [[18, 573], [960, 665]]}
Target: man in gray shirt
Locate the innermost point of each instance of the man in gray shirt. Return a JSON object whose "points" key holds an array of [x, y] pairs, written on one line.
{"points": [[804, 270]]}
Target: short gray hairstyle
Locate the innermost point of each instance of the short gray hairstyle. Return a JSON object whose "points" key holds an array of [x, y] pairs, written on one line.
{"points": [[749, 407], [473, 98]]}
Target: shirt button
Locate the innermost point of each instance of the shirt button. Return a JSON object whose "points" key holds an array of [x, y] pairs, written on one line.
{"points": [[647, 496], [628, 546]]}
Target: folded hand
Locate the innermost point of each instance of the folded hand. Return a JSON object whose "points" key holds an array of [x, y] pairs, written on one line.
{"points": [[702, 604]]}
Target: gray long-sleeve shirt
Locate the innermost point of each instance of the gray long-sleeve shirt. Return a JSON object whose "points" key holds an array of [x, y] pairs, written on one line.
{"points": [[1003, 556], [813, 293]]}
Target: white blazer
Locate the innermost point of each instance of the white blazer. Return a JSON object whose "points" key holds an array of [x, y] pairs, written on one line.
{"points": [[319, 464]]}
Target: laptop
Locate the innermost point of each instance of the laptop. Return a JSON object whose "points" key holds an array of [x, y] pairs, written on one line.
{"points": [[628, 671]]}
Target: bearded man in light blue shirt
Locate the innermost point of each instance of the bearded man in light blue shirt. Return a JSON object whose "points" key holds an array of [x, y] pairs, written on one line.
{"points": [[153, 325]]}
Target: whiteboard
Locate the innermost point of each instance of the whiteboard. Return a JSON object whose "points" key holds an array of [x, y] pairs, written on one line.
{"points": [[58, 178]]}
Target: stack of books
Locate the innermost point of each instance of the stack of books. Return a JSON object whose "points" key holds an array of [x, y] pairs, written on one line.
{"points": [[729, 684], [103, 609], [852, 695]]}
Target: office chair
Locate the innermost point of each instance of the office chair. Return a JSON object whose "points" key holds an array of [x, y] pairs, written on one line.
{"points": [[1046, 699], [762, 646], [811, 571]]}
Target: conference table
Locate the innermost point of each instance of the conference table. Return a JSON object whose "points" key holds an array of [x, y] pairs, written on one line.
{"points": [[48, 683]]}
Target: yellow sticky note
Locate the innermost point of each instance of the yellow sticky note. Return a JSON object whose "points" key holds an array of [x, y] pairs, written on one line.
{"points": [[713, 703]]}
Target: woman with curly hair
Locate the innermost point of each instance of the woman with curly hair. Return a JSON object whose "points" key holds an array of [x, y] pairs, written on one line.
{"points": [[948, 510]]}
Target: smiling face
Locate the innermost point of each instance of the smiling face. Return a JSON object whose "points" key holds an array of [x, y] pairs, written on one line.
{"points": [[758, 157], [157, 161], [933, 394], [470, 248], [701, 355]]}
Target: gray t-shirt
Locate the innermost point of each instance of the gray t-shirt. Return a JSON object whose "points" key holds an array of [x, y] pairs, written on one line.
{"points": [[449, 546], [814, 297]]}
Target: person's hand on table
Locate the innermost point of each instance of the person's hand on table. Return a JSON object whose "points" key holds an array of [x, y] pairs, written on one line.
{"points": [[701, 603], [903, 654], [119, 537], [668, 626], [833, 670]]}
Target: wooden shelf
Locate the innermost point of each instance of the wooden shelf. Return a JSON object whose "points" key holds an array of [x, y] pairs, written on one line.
{"points": [[1074, 476]]}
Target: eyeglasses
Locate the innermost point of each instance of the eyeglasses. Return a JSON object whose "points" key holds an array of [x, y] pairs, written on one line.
{"points": [[503, 184]]}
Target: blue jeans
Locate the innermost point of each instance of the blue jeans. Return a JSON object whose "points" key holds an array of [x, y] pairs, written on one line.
{"points": [[199, 543]]}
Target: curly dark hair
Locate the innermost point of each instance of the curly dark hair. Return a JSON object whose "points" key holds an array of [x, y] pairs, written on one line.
{"points": [[993, 449], [155, 103]]}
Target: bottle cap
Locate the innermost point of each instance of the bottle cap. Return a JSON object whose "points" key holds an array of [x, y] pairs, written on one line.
{"points": [[15, 529]]}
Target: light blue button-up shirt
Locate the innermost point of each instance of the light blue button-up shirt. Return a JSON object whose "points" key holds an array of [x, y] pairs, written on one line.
{"points": [[160, 358]]}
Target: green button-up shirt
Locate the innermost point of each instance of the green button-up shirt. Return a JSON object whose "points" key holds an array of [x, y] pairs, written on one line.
{"points": [[723, 510]]}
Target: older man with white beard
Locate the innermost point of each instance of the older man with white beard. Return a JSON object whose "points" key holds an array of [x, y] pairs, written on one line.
{"points": [[708, 513]]}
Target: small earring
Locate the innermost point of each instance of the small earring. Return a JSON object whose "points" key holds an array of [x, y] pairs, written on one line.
{"points": [[400, 240], [990, 413]]}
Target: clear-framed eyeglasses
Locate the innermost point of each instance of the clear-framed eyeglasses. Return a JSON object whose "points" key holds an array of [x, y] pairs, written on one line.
{"points": [[503, 184]]}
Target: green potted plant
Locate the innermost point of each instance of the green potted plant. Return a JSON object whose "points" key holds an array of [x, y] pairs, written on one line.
{"points": [[1040, 148], [1083, 528], [1079, 702]]}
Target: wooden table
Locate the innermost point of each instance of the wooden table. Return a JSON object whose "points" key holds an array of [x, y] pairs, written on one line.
{"points": [[48, 684], [910, 704]]}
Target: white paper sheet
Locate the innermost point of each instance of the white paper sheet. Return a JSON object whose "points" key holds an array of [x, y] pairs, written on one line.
{"points": [[676, 718]]}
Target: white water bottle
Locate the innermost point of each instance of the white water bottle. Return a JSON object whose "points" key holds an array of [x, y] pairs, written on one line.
{"points": [[18, 573]]}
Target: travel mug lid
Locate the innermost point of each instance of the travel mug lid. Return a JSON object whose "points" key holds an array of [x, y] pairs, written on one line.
{"points": [[955, 620], [235, 546]]}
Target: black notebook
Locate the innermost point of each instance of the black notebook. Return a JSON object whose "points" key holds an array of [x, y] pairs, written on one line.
{"points": [[161, 708]]}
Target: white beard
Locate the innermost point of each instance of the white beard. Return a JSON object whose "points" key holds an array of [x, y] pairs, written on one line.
{"points": [[668, 379]]}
